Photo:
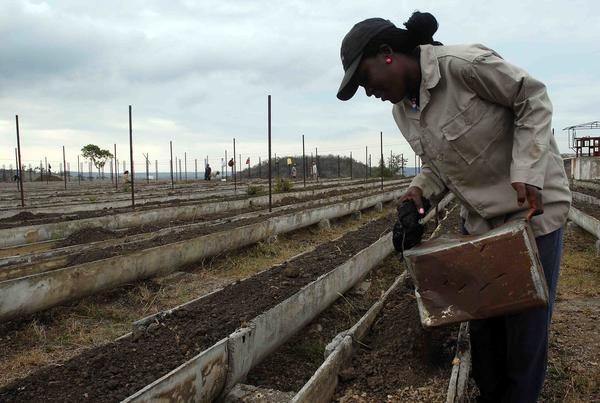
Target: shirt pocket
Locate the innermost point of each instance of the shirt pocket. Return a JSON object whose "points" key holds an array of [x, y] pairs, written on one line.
{"points": [[468, 133]]}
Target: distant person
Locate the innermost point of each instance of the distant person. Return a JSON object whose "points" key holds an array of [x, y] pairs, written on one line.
{"points": [[315, 174], [126, 178], [207, 172], [294, 172]]}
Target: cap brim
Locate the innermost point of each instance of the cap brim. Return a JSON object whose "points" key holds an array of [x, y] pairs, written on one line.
{"points": [[349, 85]]}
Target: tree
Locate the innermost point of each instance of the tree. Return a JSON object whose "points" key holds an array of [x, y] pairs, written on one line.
{"points": [[397, 163], [97, 155]]}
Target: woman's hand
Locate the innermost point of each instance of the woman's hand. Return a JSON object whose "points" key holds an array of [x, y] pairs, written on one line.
{"points": [[415, 194], [533, 196]]}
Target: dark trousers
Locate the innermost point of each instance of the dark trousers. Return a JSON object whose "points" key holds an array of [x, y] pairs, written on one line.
{"points": [[510, 353]]}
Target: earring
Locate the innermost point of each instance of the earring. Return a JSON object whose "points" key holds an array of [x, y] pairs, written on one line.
{"points": [[388, 60]]}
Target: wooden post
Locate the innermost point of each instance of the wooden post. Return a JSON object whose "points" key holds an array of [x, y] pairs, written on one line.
{"points": [[171, 163]]}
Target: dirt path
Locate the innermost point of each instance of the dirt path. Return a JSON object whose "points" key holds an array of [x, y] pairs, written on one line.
{"points": [[574, 357], [118, 369]]}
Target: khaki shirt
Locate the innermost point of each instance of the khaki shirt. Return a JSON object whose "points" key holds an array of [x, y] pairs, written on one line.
{"points": [[481, 125]]}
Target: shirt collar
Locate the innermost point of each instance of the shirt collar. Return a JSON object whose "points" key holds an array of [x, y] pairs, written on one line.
{"points": [[430, 67]]}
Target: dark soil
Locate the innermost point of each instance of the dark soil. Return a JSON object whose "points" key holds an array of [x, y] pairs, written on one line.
{"points": [[87, 235], [590, 209], [400, 353], [114, 371], [125, 248], [586, 190], [292, 365], [46, 218]]}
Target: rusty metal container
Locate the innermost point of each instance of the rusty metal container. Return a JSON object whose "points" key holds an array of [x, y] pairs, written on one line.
{"points": [[467, 277]]}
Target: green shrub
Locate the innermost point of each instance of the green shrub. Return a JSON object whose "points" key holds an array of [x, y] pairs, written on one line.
{"points": [[253, 190], [283, 185]]}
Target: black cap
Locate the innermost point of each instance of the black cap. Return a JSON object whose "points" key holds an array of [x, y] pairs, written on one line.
{"points": [[352, 51]]}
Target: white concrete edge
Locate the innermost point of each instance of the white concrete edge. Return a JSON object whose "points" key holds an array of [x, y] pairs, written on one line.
{"points": [[585, 198], [322, 384], [247, 346], [32, 260], [585, 221], [200, 379], [199, 195], [145, 321], [10, 237], [33, 293]]}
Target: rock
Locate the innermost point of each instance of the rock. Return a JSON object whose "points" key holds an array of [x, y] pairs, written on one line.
{"points": [[291, 271]]}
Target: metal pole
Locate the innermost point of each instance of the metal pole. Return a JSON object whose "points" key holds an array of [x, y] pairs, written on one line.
{"points": [[147, 169], [78, 172], [180, 175], [317, 164], [196, 168], [226, 165], [303, 162], [171, 164], [20, 169], [366, 162], [240, 164], [131, 160], [259, 169], [351, 165], [249, 165], [185, 164], [338, 165], [269, 134], [47, 173], [233, 169], [65, 167], [116, 169], [381, 143], [156, 169]]}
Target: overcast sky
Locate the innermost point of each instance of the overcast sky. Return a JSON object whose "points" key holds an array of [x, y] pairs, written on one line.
{"points": [[199, 72]]}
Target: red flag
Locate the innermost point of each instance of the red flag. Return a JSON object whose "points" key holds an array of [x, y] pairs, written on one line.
{"points": [[248, 161]]}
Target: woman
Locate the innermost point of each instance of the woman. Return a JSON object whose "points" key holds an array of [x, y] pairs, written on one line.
{"points": [[482, 127]]}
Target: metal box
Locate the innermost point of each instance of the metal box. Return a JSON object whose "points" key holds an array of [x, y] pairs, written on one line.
{"points": [[468, 277]]}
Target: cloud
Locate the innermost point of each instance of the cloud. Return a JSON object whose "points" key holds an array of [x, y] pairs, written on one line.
{"points": [[199, 73]]}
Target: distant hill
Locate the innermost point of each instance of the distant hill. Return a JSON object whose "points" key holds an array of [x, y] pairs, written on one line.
{"points": [[328, 166]]}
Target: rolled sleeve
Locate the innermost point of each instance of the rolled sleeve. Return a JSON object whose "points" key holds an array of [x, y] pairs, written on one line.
{"points": [[500, 82]]}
